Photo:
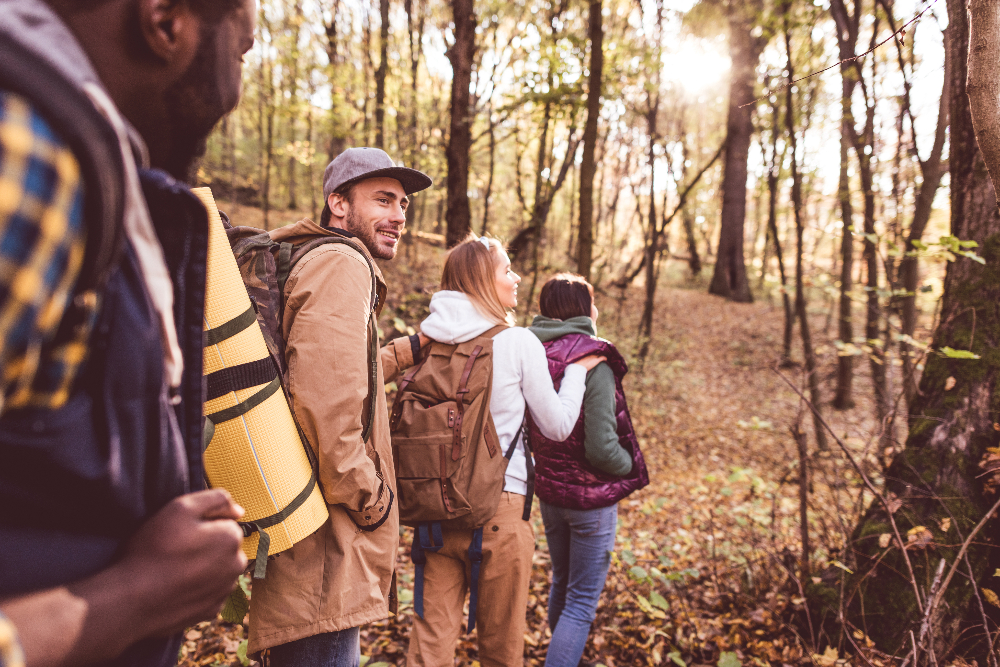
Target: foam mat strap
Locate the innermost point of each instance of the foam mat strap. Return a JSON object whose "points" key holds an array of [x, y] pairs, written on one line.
{"points": [[230, 328], [263, 545], [241, 376], [207, 433], [258, 526], [247, 405]]}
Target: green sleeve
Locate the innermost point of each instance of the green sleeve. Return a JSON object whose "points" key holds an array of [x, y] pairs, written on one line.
{"points": [[600, 424]]}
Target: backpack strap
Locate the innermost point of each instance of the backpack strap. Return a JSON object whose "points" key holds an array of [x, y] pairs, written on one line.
{"points": [[529, 463], [288, 257], [284, 266], [495, 330], [426, 537], [529, 494], [476, 558], [463, 389], [397, 404]]}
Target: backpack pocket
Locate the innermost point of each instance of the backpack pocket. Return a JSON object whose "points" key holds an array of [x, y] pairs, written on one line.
{"points": [[426, 476]]}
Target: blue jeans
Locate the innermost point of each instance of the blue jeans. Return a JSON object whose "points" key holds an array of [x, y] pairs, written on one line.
{"points": [[330, 649], [580, 545]]}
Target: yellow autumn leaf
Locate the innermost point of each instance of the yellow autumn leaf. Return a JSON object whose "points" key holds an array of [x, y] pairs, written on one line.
{"points": [[949, 384], [884, 539], [945, 524], [828, 659], [991, 597]]}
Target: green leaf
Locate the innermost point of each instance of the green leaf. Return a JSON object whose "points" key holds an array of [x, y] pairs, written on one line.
{"points": [[638, 573], [837, 563], [729, 659], [244, 582], [236, 606], [958, 354], [399, 324], [241, 653], [628, 557], [648, 608], [658, 600], [676, 657]]}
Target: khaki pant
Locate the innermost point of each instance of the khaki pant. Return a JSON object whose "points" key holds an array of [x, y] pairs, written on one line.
{"points": [[508, 545]]}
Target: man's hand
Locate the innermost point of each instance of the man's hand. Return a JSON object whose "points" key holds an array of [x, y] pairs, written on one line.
{"points": [[185, 560], [176, 570], [423, 339]]}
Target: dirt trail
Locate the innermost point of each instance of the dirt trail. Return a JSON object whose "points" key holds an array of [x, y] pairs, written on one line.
{"points": [[700, 561]]}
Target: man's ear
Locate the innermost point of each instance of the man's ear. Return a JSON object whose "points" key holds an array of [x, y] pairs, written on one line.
{"points": [[339, 206], [170, 29]]}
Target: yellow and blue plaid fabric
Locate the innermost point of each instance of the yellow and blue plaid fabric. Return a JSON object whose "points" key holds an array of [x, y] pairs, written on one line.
{"points": [[42, 240], [11, 654]]}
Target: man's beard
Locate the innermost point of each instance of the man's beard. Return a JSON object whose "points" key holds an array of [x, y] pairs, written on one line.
{"points": [[194, 106], [365, 232]]}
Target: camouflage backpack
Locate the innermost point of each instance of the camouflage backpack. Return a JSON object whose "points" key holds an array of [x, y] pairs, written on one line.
{"points": [[265, 265]]}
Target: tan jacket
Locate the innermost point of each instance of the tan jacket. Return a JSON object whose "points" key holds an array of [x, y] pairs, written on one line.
{"points": [[340, 576]]}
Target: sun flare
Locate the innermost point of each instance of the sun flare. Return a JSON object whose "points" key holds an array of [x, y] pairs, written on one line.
{"points": [[695, 65]]}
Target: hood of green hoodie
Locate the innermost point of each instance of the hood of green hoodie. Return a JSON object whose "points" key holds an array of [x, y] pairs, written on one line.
{"points": [[547, 328]]}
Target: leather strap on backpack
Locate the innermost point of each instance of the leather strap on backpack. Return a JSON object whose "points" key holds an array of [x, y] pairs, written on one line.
{"points": [[397, 404], [463, 389]]}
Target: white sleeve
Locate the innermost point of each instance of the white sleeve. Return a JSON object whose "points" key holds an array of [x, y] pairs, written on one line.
{"points": [[555, 414]]}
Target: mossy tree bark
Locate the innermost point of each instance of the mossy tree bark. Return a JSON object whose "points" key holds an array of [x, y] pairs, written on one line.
{"points": [[935, 482]]}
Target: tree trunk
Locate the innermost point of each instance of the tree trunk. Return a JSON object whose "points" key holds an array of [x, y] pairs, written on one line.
{"points": [[383, 68], [937, 476], [588, 166], [847, 38], [415, 35], [489, 181], [730, 277], [984, 80], [337, 142], [812, 373], [773, 174], [652, 229], [843, 398], [932, 170], [461, 53]]}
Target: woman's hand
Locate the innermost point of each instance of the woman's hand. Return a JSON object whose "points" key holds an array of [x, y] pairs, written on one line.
{"points": [[590, 361]]}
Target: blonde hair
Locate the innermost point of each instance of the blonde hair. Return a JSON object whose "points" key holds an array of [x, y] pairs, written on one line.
{"points": [[470, 268]]}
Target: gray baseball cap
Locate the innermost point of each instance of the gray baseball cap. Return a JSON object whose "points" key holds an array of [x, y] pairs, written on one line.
{"points": [[356, 164]]}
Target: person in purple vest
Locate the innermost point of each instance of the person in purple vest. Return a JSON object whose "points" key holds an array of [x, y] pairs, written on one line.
{"points": [[580, 480]]}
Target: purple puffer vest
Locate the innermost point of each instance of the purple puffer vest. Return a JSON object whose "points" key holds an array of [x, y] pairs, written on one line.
{"points": [[563, 477]]}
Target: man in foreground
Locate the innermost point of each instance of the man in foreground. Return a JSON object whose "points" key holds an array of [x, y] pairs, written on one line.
{"points": [[107, 547], [308, 609]]}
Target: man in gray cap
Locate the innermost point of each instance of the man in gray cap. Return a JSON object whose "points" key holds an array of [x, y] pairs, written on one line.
{"points": [[308, 609]]}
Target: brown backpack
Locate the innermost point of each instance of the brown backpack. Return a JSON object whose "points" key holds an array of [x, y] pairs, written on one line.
{"points": [[449, 466]]}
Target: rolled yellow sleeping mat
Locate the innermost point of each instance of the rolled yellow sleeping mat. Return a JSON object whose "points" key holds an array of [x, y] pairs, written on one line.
{"points": [[255, 451]]}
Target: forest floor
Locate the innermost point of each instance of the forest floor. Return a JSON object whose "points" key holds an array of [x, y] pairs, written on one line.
{"points": [[704, 571]]}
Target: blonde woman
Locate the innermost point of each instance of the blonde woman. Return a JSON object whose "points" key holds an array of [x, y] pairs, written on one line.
{"points": [[478, 291]]}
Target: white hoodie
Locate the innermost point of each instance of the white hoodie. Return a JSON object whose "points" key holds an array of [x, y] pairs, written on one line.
{"points": [[520, 374]]}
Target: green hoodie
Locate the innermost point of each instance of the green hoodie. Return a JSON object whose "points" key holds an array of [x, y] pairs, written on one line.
{"points": [[600, 421]]}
